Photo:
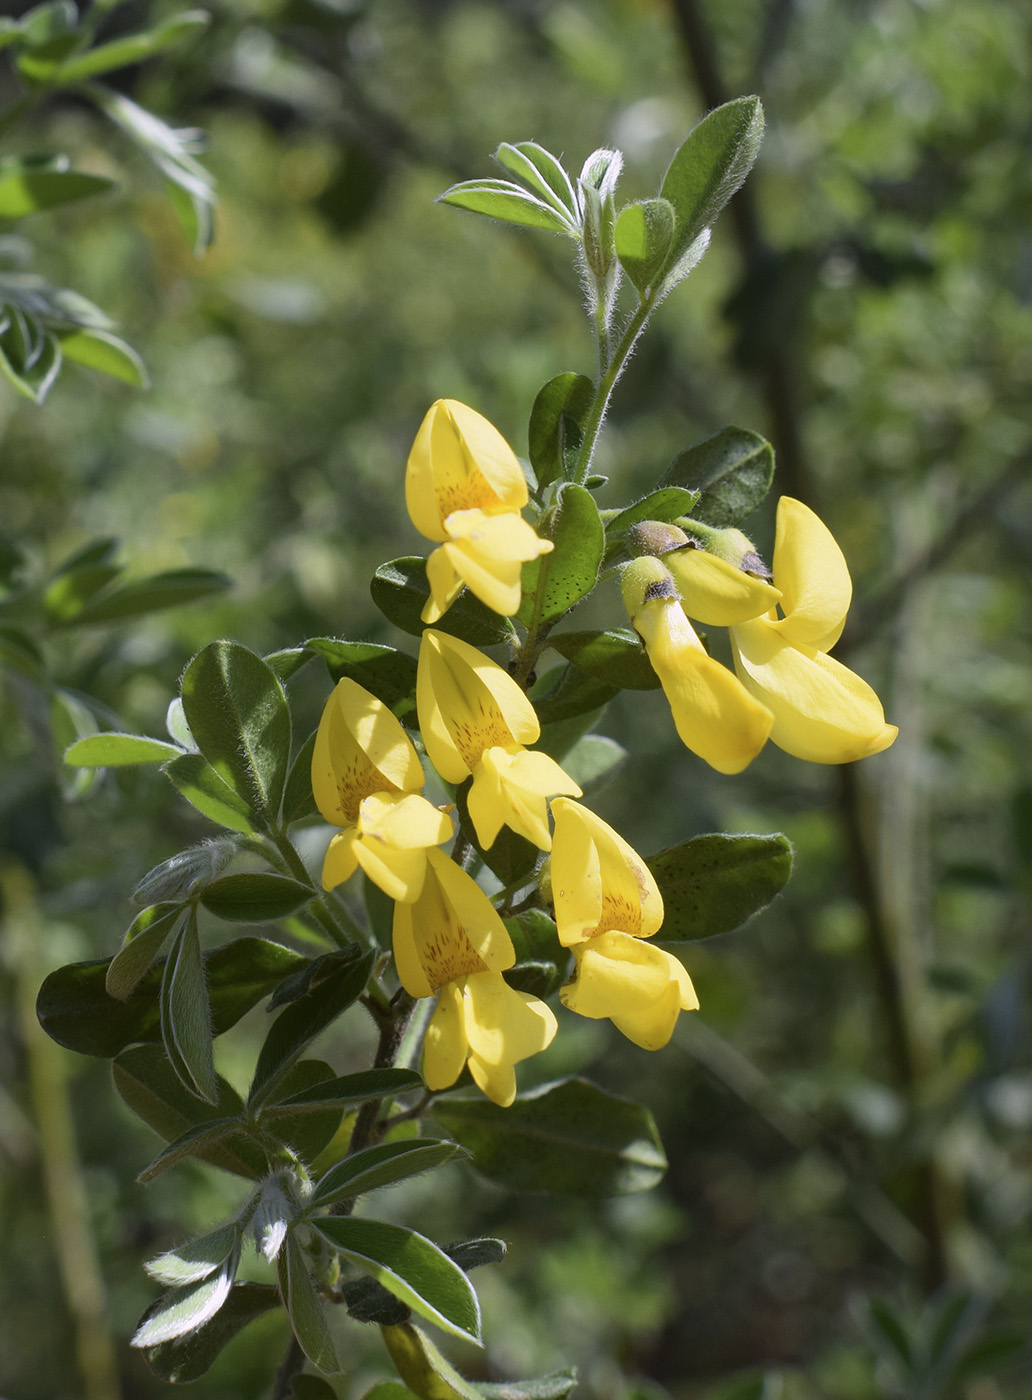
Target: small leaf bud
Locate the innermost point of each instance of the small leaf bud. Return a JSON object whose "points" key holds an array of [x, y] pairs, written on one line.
{"points": [[655, 537]]}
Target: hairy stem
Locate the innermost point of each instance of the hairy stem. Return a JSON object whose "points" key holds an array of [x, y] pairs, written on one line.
{"points": [[606, 385]]}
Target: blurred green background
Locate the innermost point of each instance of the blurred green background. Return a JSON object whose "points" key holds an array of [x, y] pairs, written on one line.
{"points": [[848, 1116]]}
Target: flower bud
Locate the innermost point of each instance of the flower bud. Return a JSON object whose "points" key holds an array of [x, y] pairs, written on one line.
{"points": [[655, 537]]}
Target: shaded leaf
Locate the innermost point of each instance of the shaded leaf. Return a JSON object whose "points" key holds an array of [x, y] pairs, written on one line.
{"points": [[28, 191], [331, 984], [255, 898], [410, 1267], [388, 673], [143, 940], [400, 590], [131, 48], [107, 354], [187, 1358], [382, 1165], [344, 1089], [644, 234], [570, 1136], [556, 1385], [615, 657], [76, 1011], [714, 883], [184, 873], [150, 1088], [298, 798], [304, 1307], [733, 470], [238, 715], [186, 1021], [592, 762], [154, 594], [183, 1309], [556, 423], [196, 1259]]}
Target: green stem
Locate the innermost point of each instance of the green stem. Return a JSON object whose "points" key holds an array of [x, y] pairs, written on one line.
{"points": [[606, 385], [338, 923]]}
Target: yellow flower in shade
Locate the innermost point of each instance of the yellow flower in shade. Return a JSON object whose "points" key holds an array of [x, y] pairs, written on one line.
{"points": [[452, 941], [465, 488], [476, 720], [823, 712], [715, 715], [606, 902], [366, 777]]}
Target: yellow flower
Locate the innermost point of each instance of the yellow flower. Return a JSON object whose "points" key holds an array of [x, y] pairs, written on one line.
{"points": [[715, 715], [365, 777], [606, 902], [464, 486], [452, 941], [822, 711], [476, 720]]}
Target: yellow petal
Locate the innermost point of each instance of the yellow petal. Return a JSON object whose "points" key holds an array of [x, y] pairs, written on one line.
{"points": [[431, 942], [511, 788], [637, 986], [495, 581], [360, 748], [407, 962], [399, 874], [445, 1047], [503, 1026], [472, 913], [340, 861], [599, 882], [459, 461], [715, 715], [714, 591], [810, 569], [487, 554], [445, 585], [466, 704], [823, 712], [403, 820]]}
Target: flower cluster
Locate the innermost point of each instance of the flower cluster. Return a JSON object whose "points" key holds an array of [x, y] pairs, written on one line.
{"points": [[465, 488], [785, 686]]}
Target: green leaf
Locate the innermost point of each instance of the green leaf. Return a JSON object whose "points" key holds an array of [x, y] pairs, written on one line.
{"points": [[304, 1307], [183, 1309], [29, 191], [541, 960], [133, 48], [733, 470], [329, 986], [196, 1259], [710, 165], [256, 898], [198, 782], [298, 798], [309, 1129], [187, 1358], [309, 1387], [540, 171], [238, 714], [554, 1386], [33, 381], [173, 589], [509, 202], [570, 707], [183, 874], [112, 750], [410, 1267], [107, 354], [150, 1088], [19, 651], [72, 587], [71, 719], [570, 1136], [382, 1165], [667, 504], [400, 590], [389, 674], [615, 657], [592, 762], [186, 1021], [711, 884], [345, 1089], [554, 582], [644, 233], [143, 941], [76, 1011], [556, 424], [198, 1141]]}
